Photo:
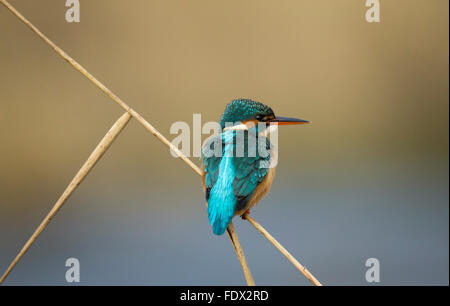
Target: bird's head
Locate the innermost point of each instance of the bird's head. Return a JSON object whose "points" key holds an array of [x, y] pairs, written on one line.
{"points": [[246, 111]]}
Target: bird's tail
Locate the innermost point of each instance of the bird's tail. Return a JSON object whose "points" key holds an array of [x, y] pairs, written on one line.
{"points": [[219, 217], [221, 211], [222, 201]]}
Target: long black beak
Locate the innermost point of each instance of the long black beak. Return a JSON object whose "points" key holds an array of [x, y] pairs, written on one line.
{"points": [[287, 120]]}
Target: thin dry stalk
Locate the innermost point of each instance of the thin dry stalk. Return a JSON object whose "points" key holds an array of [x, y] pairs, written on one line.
{"points": [[234, 238], [101, 148], [282, 250], [230, 230], [97, 83], [137, 116]]}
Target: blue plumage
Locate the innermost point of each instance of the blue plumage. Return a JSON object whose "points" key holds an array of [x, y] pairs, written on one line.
{"points": [[222, 201], [236, 166], [231, 179]]}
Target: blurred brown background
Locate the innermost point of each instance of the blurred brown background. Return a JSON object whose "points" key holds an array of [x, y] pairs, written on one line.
{"points": [[369, 177]]}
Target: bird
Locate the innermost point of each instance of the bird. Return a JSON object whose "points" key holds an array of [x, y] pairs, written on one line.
{"points": [[233, 183]]}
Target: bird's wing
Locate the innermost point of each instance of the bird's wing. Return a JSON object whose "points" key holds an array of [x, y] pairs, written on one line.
{"points": [[250, 170], [231, 180]]}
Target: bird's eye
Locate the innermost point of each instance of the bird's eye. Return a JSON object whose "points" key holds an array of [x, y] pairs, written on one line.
{"points": [[259, 117]]}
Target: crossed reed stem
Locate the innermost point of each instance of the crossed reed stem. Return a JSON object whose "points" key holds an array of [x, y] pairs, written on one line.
{"points": [[103, 146]]}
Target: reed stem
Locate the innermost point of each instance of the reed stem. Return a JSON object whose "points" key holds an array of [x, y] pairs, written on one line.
{"points": [[101, 148], [282, 250], [104, 145]]}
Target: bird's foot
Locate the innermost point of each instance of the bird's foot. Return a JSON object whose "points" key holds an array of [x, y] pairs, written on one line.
{"points": [[244, 215]]}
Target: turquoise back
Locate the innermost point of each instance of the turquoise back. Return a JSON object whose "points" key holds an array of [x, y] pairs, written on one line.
{"points": [[231, 179]]}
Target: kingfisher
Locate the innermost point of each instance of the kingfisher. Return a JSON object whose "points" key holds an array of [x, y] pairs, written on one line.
{"points": [[239, 162]]}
